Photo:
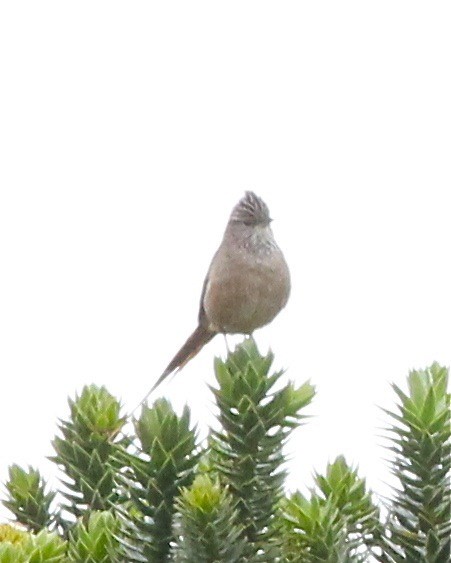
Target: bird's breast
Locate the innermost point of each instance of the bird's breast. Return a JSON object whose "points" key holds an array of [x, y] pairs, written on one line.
{"points": [[245, 290]]}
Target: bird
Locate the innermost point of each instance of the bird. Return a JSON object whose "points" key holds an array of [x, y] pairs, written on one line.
{"points": [[247, 283]]}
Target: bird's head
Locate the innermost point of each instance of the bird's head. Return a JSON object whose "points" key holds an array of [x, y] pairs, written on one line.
{"points": [[251, 211]]}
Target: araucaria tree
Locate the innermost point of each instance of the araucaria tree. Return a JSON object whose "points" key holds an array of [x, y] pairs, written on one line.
{"points": [[156, 493]]}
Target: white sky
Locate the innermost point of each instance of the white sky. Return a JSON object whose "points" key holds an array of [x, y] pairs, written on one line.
{"points": [[127, 133]]}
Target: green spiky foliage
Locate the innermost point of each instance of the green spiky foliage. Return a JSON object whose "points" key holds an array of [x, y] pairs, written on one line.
{"points": [[255, 422], [235, 509], [18, 546], [348, 492], [164, 461], [94, 541], [312, 531], [419, 523], [208, 527], [85, 451], [339, 522], [28, 498]]}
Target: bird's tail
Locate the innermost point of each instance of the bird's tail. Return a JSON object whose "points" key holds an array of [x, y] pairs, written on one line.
{"points": [[192, 346]]}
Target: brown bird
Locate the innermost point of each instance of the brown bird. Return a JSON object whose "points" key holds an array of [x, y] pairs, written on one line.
{"points": [[247, 284]]}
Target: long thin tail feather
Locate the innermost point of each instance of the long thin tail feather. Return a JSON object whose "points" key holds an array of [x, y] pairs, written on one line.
{"points": [[192, 346]]}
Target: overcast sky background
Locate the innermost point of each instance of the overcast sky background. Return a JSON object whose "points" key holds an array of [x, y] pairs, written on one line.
{"points": [[128, 131]]}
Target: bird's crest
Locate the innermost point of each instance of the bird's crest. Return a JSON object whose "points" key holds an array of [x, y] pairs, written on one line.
{"points": [[250, 210]]}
